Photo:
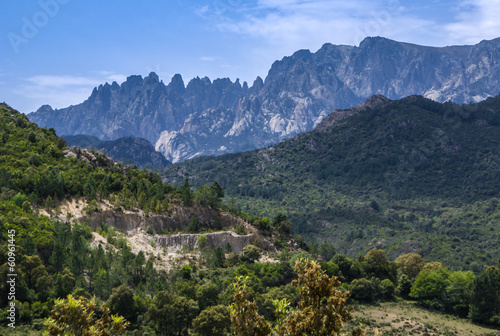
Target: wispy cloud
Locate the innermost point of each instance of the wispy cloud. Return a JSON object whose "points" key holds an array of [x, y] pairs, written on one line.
{"points": [[61, 91], [69, 81], [56, 97], [288, 25], [60, 81], [288, 22], [109, 76], [207, 59], [476, 20], [117, 78]]}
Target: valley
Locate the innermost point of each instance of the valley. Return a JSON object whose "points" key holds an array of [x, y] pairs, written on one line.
{"points": [[354, 177], [100, 230]]}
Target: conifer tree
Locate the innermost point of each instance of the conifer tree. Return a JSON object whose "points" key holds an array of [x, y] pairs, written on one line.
{"points": [[218, 189], [187, 196]]}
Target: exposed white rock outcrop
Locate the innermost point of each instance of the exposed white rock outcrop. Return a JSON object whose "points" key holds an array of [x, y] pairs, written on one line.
{"points": [[132, 223]]}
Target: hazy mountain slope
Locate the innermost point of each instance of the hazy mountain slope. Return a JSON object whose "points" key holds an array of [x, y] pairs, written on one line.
{"points": [[127, 150], [216, 117], [403, 174]]}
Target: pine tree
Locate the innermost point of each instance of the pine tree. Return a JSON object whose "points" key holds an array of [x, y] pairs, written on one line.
{"points": [[218, 189], [187, 196], [89, 188]]}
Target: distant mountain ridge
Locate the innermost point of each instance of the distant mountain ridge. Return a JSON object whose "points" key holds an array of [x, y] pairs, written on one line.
{"points": [[216, 117]]}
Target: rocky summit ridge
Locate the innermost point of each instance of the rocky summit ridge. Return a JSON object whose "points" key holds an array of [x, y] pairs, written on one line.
{"points": [[215, 117]]}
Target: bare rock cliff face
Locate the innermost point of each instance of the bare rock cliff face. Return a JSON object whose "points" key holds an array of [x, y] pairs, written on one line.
{"points": [[215, 117], [177, 242]]}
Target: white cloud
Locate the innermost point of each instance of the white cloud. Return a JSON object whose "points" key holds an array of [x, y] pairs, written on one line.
{"points": [[67, 81], [207, 59], [203, 11], [476, 20], [61, 91], [295, 22], [55, 97], [117, 78], [60, 81], [284, 26]]}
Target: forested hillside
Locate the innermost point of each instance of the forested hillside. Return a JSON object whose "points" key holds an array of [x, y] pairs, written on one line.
{"points": [[52, 258], [409, 176], [60, 276]]}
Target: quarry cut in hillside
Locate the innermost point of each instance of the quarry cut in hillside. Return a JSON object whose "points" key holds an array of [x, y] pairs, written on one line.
{"points": [[146, 232]]}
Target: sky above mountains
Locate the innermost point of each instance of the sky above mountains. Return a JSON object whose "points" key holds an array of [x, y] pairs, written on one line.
{"points": [[55, 51]]}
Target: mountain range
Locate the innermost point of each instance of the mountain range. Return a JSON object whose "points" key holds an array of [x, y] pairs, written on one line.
{"points": [[215, 117]]}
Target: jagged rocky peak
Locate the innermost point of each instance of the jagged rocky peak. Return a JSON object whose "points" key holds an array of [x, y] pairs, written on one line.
{"points": [[150, 80], [152, 77], [197, 82], [104, 92], [377, 41], [374, 102], [45, 109], [302, 54], [258, 84], [332, 54], [212, 117], [133, 81], [221, 84], [287, 61], [176, 85]]}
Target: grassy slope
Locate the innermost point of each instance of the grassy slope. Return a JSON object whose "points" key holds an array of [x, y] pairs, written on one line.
{"points": [[404, 318]]}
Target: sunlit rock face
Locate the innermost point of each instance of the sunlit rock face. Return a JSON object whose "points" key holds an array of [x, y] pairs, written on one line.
{"points": [[208, 117]]}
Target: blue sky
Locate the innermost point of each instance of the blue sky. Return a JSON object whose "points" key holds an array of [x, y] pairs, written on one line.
{"points": [[55, 51]]}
